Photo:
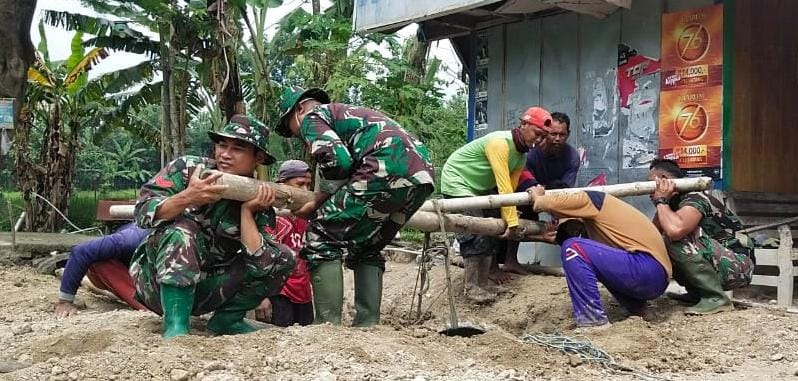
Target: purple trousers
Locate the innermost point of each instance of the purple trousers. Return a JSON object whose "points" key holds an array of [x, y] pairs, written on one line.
{"points": [[631, 277]]}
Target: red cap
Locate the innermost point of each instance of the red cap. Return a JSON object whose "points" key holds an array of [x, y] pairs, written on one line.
{"points": [[539, 117]]}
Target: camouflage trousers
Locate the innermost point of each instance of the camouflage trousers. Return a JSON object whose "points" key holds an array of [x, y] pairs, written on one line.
{"points": [[175, 255], [360, 223], [735, 268]]}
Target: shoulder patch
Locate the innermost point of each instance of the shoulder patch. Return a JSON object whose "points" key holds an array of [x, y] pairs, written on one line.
{"points": [[597, 198]]}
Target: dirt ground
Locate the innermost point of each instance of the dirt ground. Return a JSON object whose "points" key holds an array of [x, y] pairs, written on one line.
{"points": [[106, 341]]}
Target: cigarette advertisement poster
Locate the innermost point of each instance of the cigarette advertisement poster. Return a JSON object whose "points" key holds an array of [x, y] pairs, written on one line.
{"points": [[690, 117]]}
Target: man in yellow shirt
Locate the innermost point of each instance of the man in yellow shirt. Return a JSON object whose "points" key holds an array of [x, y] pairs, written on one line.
{"points": [[476, 169]]}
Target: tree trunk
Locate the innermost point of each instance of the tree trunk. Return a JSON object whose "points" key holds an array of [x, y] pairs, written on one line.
{"points": [[51, 179], [17, 56], [417, 57], [182, 110], [345, 8], [174, 108], [225, 78], [17, 49], [524, 198], [316, 6], [166, 101], [24, 170]]}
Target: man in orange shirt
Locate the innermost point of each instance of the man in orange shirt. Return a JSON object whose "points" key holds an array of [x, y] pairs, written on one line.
{"points": [[622, 249]]}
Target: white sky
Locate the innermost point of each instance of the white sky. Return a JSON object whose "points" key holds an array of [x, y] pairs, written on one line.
{"points": [[59, 39]]}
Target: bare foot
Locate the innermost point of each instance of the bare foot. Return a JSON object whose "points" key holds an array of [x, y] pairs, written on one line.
{"points": [[500, 277], [515, 269]]}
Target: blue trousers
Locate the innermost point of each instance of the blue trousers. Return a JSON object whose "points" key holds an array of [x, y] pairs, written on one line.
{"points": [[632, 278], [119, 245]]}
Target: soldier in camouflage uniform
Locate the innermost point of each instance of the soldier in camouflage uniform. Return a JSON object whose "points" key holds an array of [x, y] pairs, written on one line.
{"points": [[374, 177], [709, 255], [207, 254]]}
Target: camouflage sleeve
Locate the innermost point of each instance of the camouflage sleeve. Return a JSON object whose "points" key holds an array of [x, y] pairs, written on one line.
{"points": [[326, 147], [696, 200], [266, 223], [171, 180]]}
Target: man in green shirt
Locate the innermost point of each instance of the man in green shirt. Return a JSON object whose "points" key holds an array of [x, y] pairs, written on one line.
{"points": [[476, 169]]}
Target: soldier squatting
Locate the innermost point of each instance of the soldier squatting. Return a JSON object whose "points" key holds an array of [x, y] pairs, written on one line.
{"points": [[194, 253]]}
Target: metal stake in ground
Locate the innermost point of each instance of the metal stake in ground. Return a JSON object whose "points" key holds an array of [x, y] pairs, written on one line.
{"points": [[454, 329]]}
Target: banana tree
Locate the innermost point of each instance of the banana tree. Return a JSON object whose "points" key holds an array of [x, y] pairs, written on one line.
{"points": [[61, 101], [256, 81]]}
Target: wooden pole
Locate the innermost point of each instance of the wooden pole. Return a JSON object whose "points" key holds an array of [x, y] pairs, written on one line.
{"points": [[428, 222], [245, 188], [524, 198], [457, 223]]}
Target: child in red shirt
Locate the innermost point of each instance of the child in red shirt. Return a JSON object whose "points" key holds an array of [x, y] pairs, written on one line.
{"points": [[294, 304]]}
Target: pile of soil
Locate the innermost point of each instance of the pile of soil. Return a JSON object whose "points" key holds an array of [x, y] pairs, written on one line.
{"points": [[107, 341]]}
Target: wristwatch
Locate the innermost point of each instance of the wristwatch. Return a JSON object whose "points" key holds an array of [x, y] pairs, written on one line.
{"points": [[661, 200]]}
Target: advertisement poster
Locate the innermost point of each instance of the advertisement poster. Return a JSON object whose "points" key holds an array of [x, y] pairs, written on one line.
{"points": [[481, 112], [690, 116], [690, 129], [638, 87], [6, 124], [6, 113]]}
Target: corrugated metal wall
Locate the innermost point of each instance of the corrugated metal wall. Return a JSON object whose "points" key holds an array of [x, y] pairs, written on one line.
{"points": [[567, 63]]}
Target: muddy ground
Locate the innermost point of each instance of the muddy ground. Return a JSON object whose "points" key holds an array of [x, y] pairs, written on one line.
{"points": [[106, 341]]}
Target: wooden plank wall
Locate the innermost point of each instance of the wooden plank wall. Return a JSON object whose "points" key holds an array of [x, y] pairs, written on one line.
{"points": [[764, 147]]}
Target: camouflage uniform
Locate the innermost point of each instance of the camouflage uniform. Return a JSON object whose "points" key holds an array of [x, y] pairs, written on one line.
{"points": [[716, 240], [202, 247], [386, 176]]}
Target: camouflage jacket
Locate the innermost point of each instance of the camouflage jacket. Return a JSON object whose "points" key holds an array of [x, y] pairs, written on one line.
{"points": [[219, 222], [718, 222], [365, 147]]}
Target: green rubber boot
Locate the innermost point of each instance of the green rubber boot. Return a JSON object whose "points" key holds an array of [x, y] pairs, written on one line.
{"points": [[177, 303], [328, 292], [368, 295], [229, 318], [688, 297], [691, 297], [705, 280]]}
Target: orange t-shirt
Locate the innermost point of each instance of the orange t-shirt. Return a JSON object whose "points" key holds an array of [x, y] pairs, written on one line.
{"points": [[609, 221]]}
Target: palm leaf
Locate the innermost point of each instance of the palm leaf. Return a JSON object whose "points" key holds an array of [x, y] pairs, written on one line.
{"points": [[37, 77], [127, 44], [77, 74], [124, 115], [123, 79], [42, 48], [117, 35], [114, 83], [127, 10]]}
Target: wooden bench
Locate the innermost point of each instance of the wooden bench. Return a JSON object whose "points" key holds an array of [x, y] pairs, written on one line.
{"points": [[773, 215]]}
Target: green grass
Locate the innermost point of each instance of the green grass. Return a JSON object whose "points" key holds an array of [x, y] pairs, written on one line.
{"points": [[416, 237], [82, 206]]}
